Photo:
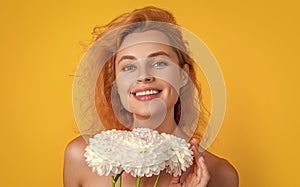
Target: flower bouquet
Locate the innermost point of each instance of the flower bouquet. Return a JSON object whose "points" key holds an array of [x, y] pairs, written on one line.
{"points": [[142, 152]]}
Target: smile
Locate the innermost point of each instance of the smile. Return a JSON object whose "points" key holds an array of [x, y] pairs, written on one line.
{"points": [[148, 92]]}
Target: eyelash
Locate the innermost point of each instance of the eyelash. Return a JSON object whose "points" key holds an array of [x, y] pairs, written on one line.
{"points": [[126, 68], [157, 65]]}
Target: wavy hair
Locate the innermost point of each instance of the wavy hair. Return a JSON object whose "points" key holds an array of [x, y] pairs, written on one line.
{"points": [[139, 20]]}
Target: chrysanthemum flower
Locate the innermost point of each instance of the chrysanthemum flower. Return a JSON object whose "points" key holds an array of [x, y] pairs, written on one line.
{"points": [[140, 152]]}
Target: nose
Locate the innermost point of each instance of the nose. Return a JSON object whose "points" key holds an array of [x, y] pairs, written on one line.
{"points": [[146, 79], [145, 75]]}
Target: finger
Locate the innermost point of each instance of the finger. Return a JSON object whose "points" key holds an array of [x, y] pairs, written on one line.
{"points": [[204, 173], [175, 180], [199, 168], [195, 168], [191, 181], [194, 176], [195, 152], [193, 142]]}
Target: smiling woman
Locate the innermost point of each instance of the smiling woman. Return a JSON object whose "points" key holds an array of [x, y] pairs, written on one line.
{"points": [[154, 76], [147, 80]]}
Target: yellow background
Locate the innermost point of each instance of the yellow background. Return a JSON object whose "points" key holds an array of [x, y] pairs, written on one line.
{"points": [[257, 46]]}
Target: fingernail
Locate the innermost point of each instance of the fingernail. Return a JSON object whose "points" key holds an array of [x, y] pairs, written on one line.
{"points": [[194, 140], [201, 158]]}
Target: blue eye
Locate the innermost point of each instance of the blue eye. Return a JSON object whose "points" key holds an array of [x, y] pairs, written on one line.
{"points": [[160, 64], [129, 68]]}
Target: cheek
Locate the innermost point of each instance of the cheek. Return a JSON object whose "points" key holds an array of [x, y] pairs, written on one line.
{"points": [[171, 76], [124, 84], [172, 95]]}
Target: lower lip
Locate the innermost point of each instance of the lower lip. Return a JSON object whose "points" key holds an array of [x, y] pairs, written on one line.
{"points": [[147, 97]]}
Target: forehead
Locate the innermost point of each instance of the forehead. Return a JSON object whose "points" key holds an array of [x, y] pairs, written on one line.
{"points": [[141, 45], [146, 50], [151, 36]]}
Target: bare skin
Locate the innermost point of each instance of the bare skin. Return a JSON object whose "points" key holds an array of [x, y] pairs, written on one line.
{"points": [[133, 76], [212, 171]]}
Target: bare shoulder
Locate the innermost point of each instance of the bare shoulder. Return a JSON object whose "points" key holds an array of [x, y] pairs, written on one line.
{"points": [[223, 174], [74, 162], [77, 173], [76, 148]]}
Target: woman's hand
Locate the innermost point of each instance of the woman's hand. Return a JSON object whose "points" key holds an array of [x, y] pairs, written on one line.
{"points": [[198, 175]]}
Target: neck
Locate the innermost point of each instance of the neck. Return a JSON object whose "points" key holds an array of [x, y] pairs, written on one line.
{"points": [[162, 122]]}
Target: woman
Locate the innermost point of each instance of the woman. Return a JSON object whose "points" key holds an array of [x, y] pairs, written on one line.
{"points": [[148, 80]]}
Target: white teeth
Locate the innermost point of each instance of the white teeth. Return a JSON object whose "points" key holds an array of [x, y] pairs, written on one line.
{"points": [[148, 92]]}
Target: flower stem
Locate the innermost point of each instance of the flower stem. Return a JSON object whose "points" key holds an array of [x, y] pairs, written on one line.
{"points": [[113, 182], [120, 183], [138, 182], [157, 178], [115, 179]]}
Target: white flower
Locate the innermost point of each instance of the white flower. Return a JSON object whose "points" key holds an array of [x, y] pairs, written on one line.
{"points": [[145, 153], [140, 152], [181, 156], [102, 154]]}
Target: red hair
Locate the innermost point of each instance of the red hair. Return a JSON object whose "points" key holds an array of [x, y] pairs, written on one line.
{"points": [[107, 75]]}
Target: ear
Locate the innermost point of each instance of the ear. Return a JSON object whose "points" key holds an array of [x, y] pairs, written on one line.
{"points": [[185, 74]]}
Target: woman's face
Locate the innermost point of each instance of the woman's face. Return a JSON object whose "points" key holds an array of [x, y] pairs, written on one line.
{"points": [[147, 74]]}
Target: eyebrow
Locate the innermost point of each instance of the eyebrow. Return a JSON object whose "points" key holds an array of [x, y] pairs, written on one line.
{"points": [[158, 54], [130, 57]]}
